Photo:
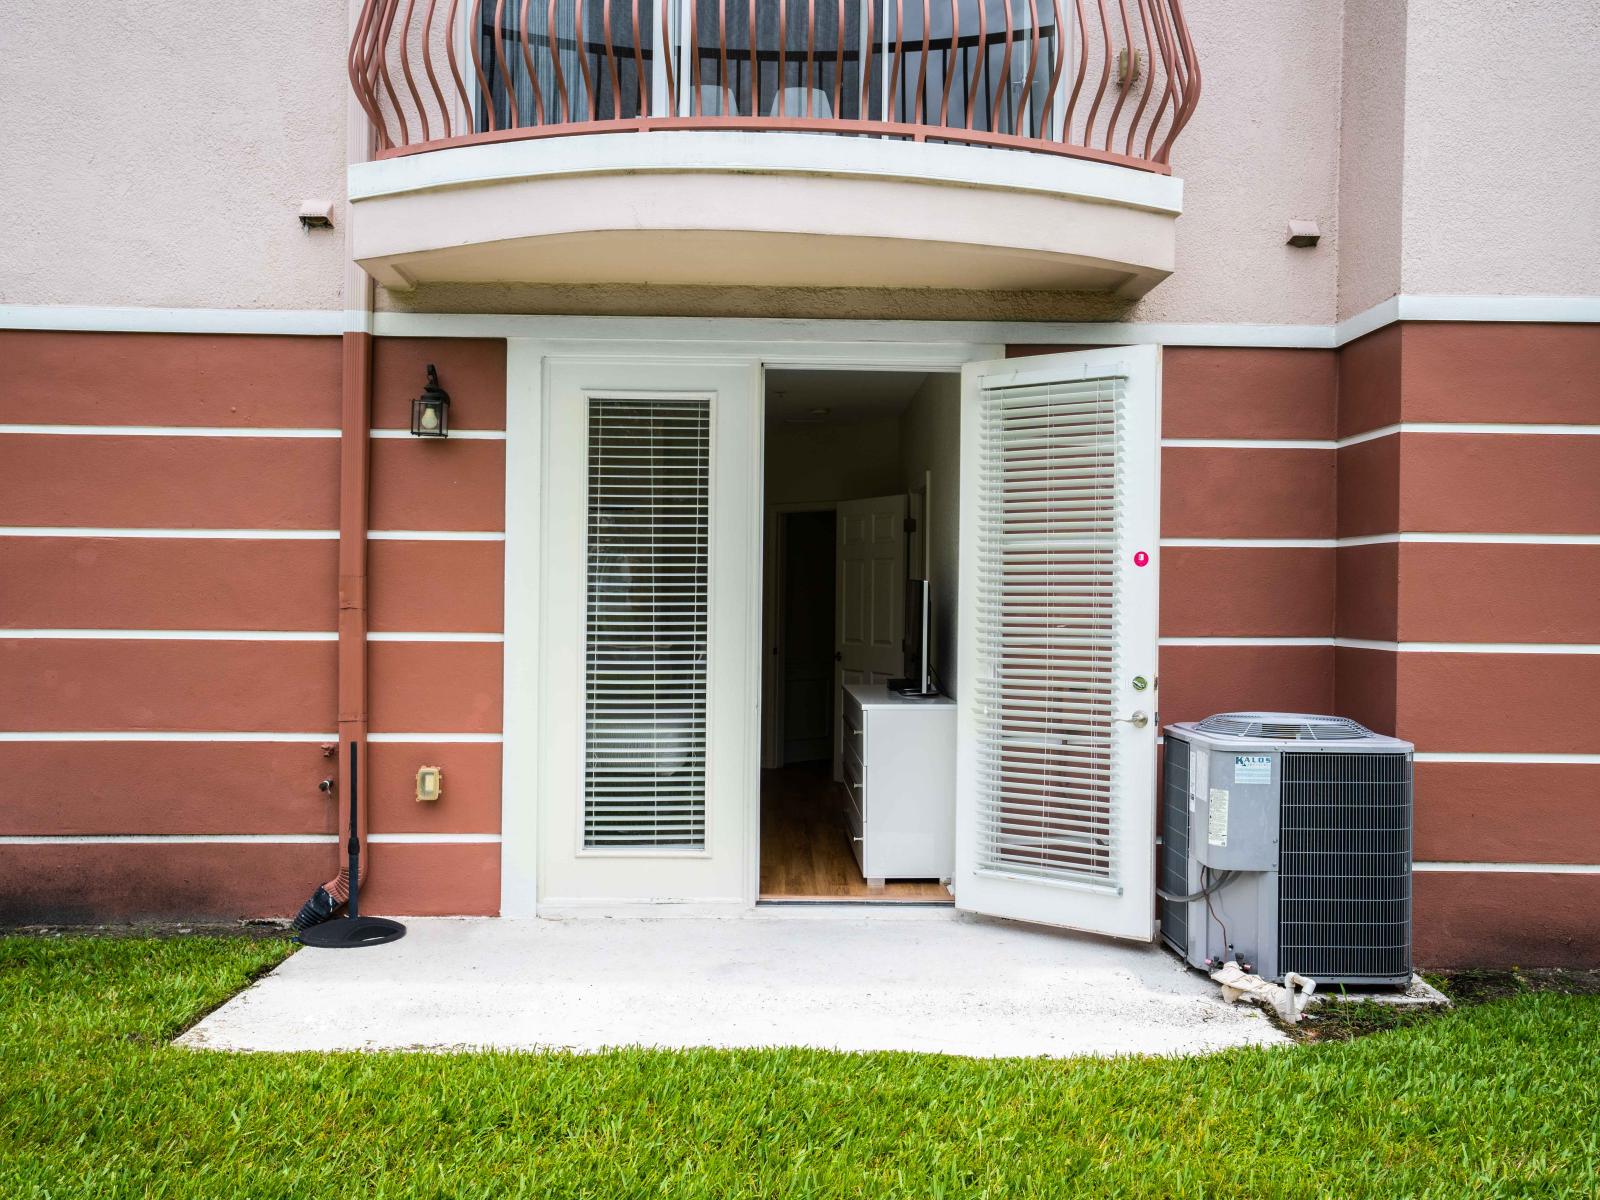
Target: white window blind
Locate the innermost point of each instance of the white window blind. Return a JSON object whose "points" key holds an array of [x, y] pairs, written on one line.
{"points": [[1049, 518], [645, 659]]}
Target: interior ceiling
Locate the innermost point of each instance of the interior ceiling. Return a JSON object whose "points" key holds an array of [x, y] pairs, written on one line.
{"points": [[851, 397]]}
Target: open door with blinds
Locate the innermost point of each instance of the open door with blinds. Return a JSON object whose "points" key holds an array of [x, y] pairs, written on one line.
{"points": [[1055, 803]]}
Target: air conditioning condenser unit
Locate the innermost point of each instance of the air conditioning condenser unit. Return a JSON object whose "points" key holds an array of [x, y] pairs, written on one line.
{"points": [[1286, 844]]}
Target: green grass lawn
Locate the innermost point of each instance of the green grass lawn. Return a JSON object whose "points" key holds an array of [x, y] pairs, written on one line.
{"points": [[1496, 1099]]}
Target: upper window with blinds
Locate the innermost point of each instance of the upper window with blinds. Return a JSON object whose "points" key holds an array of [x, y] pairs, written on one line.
{"points": [[1049, 516], [646, 619]]}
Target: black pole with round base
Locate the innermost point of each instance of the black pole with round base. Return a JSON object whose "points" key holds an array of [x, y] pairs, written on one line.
{"points": [[353, 929]]}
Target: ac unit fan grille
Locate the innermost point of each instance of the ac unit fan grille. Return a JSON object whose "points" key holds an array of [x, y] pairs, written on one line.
{"points": [[1175, 844], [1297, 727], [1344, 867]]}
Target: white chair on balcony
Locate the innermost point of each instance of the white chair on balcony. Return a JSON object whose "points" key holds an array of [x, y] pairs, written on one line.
{"points": [[791, 102], [713, 97]]}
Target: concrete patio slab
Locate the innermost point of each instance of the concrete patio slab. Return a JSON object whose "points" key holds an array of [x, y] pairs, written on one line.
{"points": [[919, 980]]}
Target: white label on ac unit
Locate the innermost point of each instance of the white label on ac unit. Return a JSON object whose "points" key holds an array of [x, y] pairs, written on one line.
{"points": [[1252, 768], [1199, 774], [1217, 823]]}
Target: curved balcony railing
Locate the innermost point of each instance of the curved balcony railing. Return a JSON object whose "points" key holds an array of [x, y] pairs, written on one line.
{"points": [[1110, 80]]}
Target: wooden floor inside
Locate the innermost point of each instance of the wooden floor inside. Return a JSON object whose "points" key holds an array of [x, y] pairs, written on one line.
{"points": [[805, 844]]}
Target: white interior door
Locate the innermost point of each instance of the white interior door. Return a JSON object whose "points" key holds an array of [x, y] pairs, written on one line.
{"points": [[870, 569], [1055, 801]]}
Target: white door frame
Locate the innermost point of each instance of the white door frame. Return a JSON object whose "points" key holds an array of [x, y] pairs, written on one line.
{"points": [[527, 447]]}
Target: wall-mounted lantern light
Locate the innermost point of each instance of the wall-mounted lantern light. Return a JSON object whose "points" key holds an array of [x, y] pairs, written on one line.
{"points": [[430, 412]]}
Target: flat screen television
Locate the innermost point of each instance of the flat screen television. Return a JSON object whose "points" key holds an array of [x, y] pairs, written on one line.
{"points": [[919, 681]]}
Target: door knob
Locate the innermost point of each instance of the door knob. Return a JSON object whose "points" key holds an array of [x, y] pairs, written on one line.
{"points": [[1139, 719]]}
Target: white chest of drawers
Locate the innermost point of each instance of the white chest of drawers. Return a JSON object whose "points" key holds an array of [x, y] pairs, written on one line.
{"points": [[900, 774]]}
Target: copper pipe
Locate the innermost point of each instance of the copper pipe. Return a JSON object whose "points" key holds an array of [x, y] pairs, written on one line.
{"points": [[638, 62], [513, 117], [979, 61], [427, 66], [950, 62], [611, 60], [405, 66], [1033, 56], [455, 67], [555, 62], [355, 473], [477, 67], [580, 39], [527, 62], [922, 67]]}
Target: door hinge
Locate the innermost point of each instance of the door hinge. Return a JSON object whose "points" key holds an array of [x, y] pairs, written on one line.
{"points": [[911, 524]]}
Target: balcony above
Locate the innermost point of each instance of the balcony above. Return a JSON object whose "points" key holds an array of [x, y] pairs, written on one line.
{"points": [[991, 145]]}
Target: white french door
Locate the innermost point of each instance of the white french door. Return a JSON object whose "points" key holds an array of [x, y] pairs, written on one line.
{"points": [[649, 630], [1055, 802]]}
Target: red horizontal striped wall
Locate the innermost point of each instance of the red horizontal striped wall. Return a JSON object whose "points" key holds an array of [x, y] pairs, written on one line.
{"points": [[1485, 593], [172, 670]]}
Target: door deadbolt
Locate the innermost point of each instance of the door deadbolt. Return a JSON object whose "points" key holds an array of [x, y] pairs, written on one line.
{"points": [[1140, 683]]}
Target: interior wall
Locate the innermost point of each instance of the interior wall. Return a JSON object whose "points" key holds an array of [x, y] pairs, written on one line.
{"points": [[930, 440], [807, 463], [817, 464]]}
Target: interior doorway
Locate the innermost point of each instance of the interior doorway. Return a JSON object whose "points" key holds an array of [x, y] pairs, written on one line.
{"points": [[850, 458]]}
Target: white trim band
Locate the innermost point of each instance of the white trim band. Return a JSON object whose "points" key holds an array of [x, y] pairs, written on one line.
{"points": [[1512, 759], [243, 535], [186, 431], [436, 637], [465, 739], [323, 322], [1345, 643], [244, 839], [171, 635], [181, 839], [1511, 868], [55, 735], [1387, 539], [233, 635], [95, 319]]}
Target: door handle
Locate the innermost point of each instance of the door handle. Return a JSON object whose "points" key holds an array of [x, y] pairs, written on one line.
{"points": [[1139, 719]]}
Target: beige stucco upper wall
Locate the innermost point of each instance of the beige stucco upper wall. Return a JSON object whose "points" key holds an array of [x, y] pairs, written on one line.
{"points": [[1371, 152], [1502, 179], [161, 162], [157, 151], [1263, 147]]}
